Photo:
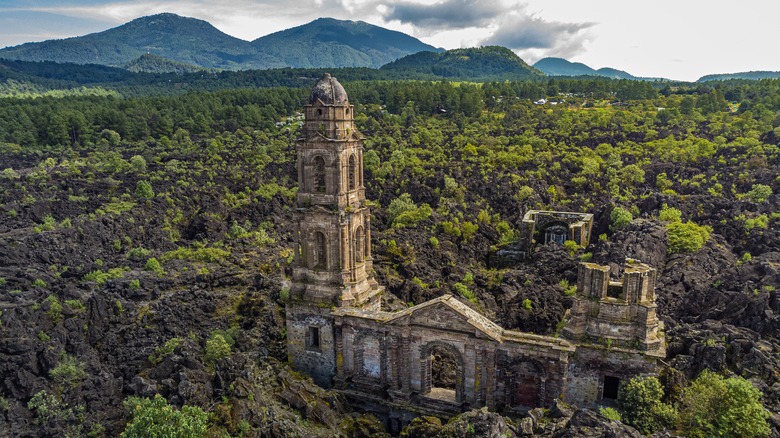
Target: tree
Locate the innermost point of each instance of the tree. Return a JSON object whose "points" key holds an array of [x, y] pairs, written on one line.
{"points": [[620, 217], [641, 406], [686, 236], [143, 190], [716, 406], [156, 418]]}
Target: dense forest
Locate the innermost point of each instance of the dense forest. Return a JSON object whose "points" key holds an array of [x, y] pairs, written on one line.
{"points": [[145, 246]]}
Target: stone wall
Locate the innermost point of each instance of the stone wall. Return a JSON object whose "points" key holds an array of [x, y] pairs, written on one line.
{"points": [[315, 357]]}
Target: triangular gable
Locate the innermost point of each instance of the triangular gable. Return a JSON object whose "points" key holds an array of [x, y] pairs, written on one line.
{"points": [[448, 312]]}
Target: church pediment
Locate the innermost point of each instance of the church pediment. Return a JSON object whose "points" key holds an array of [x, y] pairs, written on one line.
{"points": [[447, 313]]}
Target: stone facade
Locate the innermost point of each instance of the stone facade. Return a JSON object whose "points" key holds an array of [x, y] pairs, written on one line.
{"points": [[440, 357]]}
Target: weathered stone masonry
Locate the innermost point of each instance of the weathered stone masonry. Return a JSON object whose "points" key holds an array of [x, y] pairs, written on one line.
{"points": [[440, 357]]}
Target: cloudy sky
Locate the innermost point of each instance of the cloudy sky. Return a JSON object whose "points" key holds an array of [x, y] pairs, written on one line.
{"points": [[678, 39]]}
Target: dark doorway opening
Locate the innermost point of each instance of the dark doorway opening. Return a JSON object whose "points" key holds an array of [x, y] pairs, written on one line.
{"points": [[611, 387]]}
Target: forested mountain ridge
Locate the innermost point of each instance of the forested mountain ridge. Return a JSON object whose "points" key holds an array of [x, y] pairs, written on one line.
{"points": [[483, 63], [562, 67], [748, 75], [327, 42], [321, 43]]}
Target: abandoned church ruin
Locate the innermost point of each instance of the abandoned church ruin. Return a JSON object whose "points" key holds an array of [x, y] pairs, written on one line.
{"points": [[392, 362]]}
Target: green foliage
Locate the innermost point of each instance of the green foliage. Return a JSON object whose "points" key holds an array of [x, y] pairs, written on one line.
{"points": [[217, 347], [101, 277], [571, 247], [610, 414], [134, 284], [725, 407], [3, 281], [670, 214], [164, 350], [686, 236], [620, 217], [465, 292], [434, 241], [759, 193], [76, 305], [138, 253], [9, 173], [197, 254], [48, 224], [39, 283], [403, 212], [153, 265], [55, 308], [527, 305], [68, 372], [641, 406], [143, 190], [156, 418]]}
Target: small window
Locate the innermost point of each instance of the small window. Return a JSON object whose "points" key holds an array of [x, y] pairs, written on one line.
{"points": [[319, 111], [319, 175], [351, 172], [611, 387], [615, 291], [313, 338]]}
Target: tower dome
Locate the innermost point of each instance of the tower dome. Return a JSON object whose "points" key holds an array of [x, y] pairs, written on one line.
{"points": [[329, 91]]}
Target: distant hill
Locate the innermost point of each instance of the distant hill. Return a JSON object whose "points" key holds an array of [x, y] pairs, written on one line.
{"points": [[327, 42], [749, 75], [157, 64], [322, 43], [563, 67], [484, 63]]}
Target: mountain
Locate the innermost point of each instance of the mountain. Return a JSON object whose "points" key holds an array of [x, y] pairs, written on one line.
{"points": [[484, 63], [563, 67], [322, 43], [327, 42], [749, 75], [181, 39]]}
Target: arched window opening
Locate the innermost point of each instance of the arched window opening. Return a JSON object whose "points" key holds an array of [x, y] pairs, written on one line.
{"points": [[319, 255], [555, 234], [360, 243], [319, 175], [352, 172]]}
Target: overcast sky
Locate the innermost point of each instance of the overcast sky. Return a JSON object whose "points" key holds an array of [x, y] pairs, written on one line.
{"points": [[677, 39]]}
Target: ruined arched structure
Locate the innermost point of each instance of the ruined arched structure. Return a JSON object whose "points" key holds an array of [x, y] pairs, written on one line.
{"points": [[455, 357]]}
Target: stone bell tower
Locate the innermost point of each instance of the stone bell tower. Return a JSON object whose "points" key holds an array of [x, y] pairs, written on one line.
{"points": [[332, 249]]}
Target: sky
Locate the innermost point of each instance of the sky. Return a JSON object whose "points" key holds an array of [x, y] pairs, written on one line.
{"points": [[675, 39]]}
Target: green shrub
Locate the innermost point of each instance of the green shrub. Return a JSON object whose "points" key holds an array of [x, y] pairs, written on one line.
{"points": [[153, 265], [670, 214], [68, 371], [156, 418], [403, 212], [217, 347], [686, 236], [138, 253], [527, 305], [55, 308], [465, 292], [571, 247], [641, 406], [76, 305], [39, 283], [101, 277], [143, 190], [724, 407], [759, 193], [610, 414], [167, 348], [434, 241], [620, 217], [48, 224]]}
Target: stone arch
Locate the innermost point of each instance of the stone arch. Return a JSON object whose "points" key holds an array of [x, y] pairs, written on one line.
{"points": [[427, 364], [525, 384], [318, 177], [319, 253], [360, 244], [352, 173], [555, 232]]}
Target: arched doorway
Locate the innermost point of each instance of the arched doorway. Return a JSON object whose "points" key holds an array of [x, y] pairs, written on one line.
{"points": [[556, 233], [442, 372]]}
